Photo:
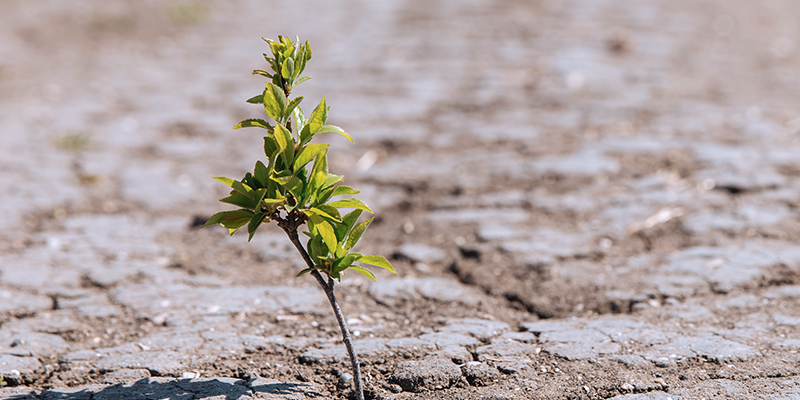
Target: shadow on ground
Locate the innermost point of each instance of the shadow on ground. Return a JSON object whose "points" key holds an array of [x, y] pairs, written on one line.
{"points": [[185, 389]]}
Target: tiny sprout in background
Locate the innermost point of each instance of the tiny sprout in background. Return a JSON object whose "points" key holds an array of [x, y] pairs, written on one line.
{"points": [[187, 13], [73, 141]]}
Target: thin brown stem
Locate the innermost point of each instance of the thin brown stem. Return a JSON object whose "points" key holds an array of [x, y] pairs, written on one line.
{"points": [[290, 227]]}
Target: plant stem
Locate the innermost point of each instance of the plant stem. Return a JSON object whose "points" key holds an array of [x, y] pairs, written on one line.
{"points": [[328, 288]]}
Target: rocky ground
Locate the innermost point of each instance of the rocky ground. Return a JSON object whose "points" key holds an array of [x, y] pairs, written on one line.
{"points": [[585, 199]]}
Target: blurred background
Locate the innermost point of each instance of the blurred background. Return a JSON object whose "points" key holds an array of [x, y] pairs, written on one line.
{"points": [[121, 101], [548, 157]]}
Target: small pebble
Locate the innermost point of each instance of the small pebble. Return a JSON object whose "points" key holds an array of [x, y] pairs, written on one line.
{"points": [[345, 378], [189, 375], [473, 364], [507, 369]]}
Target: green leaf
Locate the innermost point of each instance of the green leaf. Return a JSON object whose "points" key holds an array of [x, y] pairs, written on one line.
{"points": [[250, 181], [232, 220], [271, 106], [240, 200], [319, 172], [269, 202], [289, 50], [243, 189], [331, 180], [356, 232], [273, 192], [364, 271], [227, 216], [262, 73], [318, 117], [285, 141], [306, 154], [336, 275], [254, 122], [348, 221], [301, 80], [305, 134], [325, 230], [315, 249], [296, 189], [258, 99], [322, 199], [283, 137], [261, 174], [227, 181], [282, 177], [315, 186], [259, 195], [322, 187], [340, 251], [328, 212], [343, 190], [287, 70], [274, 47], [270, 145], [272, 62], [255, 222], [293, 184], [345, 262], [288, 47], [299, 63], [334, 128], [308, 51], [299, 119], [378, 261], [290, 108], [305, 271], [351, 203], [280, 99]]}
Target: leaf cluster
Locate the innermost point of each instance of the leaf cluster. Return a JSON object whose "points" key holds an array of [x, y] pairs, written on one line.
{"points": [[294, 186]]}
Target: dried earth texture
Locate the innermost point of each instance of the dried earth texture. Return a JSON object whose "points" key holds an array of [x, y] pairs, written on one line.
{"points": [[586, 199]]}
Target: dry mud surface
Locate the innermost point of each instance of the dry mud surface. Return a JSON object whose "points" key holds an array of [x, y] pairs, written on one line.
{"points": [[585, 199]]}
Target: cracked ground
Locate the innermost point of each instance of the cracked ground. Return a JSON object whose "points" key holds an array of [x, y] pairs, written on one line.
{"points": [[584, 199]]}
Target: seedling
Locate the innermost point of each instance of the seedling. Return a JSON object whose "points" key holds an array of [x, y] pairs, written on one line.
{"points": [[294, 187]]}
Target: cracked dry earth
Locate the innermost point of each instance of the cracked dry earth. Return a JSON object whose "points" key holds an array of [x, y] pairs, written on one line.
{"points": [[585, 199]]}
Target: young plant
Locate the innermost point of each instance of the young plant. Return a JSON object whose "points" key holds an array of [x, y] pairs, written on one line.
{"points": [[295, 188]]}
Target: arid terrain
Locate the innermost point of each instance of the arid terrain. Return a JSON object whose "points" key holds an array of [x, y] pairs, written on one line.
{"points": [[584, 199]]}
